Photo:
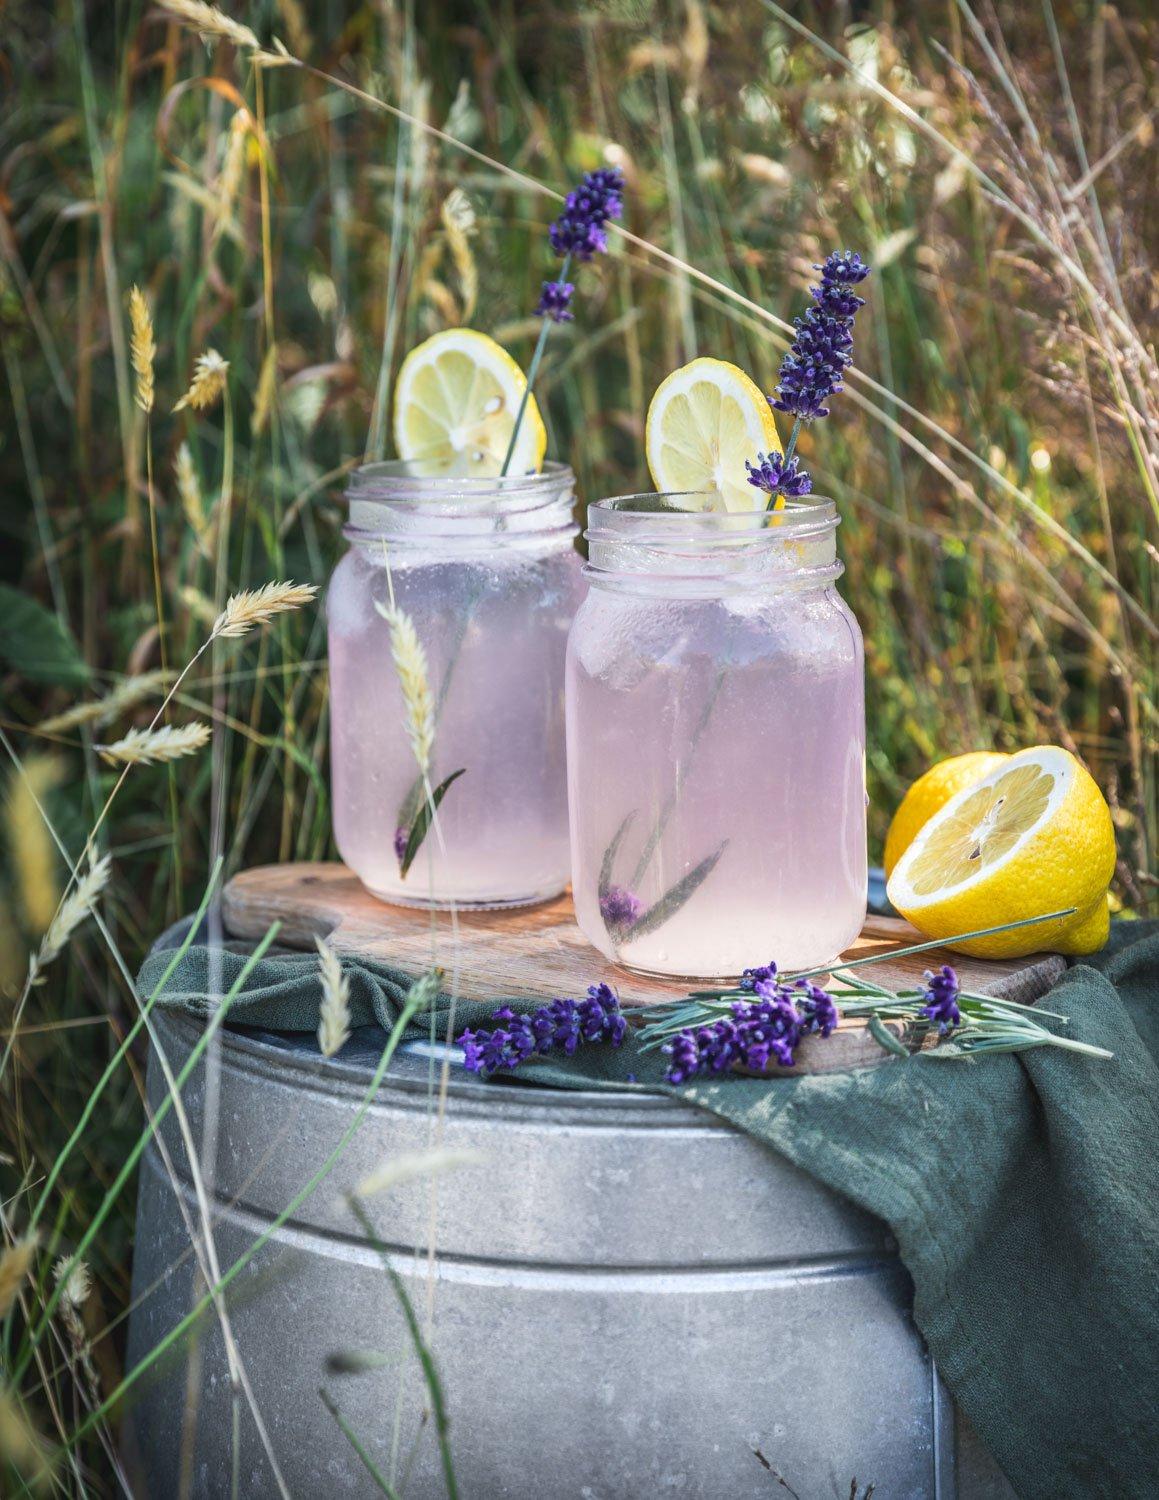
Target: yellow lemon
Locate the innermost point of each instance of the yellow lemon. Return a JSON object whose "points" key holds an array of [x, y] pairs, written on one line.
{"points": [[1033, 836], [1088, 932], [931, 792], [706, 419], [455, 404]]}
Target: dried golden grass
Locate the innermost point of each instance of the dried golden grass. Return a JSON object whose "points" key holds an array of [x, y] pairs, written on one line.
{"points": [[334, 1012], [148, 747], [211, 24], [257, 606], [210, 371], [125, 696], [410, 661], [15, 1265], [75, 909], [30, 847], [142, 347]]}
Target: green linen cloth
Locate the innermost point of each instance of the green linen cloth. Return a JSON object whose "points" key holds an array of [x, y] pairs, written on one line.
{"points": [[1022, 1189]]}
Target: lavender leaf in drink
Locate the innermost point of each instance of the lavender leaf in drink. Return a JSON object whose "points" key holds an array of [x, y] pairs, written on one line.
{"points": [[423, 820], [675, 897]]}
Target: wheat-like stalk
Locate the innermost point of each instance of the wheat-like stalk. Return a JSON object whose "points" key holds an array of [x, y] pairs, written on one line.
{"points": [[192, 505], [267, 386], [458, 215], [142, 346], [15, 1264], [125, 696], [199, 605], [33, 857], [255, 606], [334, 1012], [75, 1284], [232, 170], [209, 375], [410, 662], [78, 1285], [148, 747], [211, 24], [74, 909]]}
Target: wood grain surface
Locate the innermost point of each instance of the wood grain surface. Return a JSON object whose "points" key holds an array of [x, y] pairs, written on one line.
{"points": [[537, 952]]}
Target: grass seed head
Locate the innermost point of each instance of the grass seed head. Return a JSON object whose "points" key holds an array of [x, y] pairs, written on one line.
{"points": [[208, 383], [334, 1013], [256, 606], [410, 662], [148, 747], [142, 346], [15, 1265], [75, 908]]}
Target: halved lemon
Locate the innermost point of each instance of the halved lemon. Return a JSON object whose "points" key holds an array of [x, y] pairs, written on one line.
{"points": [[1033, 836], [931, 791], [455, 404], [706, 419]]}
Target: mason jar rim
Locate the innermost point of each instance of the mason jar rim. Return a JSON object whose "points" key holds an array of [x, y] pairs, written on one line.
{"points": [[393, 481], [653, 541], [387, 500], [622, 517]]}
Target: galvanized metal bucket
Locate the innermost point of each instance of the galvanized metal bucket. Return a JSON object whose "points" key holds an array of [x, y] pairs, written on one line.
{"points": [[628, 1299]]}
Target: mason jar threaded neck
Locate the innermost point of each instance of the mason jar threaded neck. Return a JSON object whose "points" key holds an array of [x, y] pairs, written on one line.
{"points": [[392, 502], [661, 541]]}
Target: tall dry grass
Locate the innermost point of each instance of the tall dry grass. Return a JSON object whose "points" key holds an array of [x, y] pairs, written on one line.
{"points": [[212, 258]]}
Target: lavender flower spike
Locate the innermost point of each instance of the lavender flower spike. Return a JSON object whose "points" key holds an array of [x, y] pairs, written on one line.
{"points": [[823, 348], [562, 1025], [555, 301], [941, 997], [778, 476], [579, 231]]}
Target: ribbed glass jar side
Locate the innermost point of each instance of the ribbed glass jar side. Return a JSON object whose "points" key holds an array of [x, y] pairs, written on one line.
{"points": [[716, 741]]}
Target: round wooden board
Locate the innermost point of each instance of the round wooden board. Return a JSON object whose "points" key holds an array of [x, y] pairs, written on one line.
{"points": [[538, 952]]}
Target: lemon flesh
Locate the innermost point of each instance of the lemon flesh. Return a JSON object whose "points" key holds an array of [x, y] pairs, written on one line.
{"points": [[931, 792], [455, 405], [1033, 836], [706, 419]]}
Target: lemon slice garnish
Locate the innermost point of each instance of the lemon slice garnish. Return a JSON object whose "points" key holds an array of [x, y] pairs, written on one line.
{"points": [[455, 404], [1033, 836], [706, 419]]}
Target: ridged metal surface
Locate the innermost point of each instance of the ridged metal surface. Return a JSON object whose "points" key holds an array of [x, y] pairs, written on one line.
{"points": [[628, 1299]]}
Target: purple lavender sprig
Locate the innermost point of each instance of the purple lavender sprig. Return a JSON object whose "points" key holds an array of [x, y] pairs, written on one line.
{"points": [[757, 1032], [777, 475], [941, 997], [562, 1025], [578, 234], [619, 907], [813, 369]]}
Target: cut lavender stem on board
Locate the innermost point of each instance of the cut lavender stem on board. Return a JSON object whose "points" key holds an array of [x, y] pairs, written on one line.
{"points": [[578, 234], [941, 996], [560, 1026]]}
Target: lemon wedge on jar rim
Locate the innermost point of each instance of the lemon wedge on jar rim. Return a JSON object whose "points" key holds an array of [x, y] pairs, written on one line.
{"points": [[455, 404], [706, 419], [1033, 836]]}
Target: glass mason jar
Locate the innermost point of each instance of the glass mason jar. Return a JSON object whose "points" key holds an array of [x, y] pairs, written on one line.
{"points": [[488, 572], [716, 740]]}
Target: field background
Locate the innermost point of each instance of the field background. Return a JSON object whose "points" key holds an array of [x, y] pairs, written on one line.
{"points": [[996, 472]]}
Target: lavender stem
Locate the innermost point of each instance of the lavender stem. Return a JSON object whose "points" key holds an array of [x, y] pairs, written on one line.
{"points": [[533, 370]]}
